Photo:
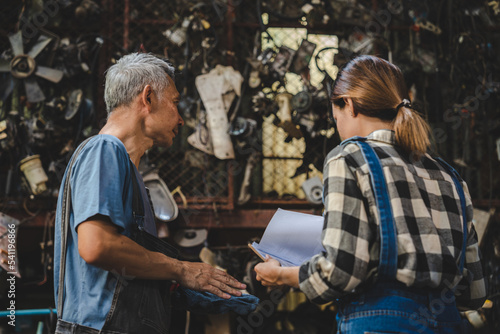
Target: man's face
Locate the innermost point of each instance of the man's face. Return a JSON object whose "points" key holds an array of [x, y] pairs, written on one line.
{"points": [[165, 118]]}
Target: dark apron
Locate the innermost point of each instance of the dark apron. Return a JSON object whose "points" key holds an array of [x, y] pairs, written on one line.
{"points": [[138, 305], [389, 306]]}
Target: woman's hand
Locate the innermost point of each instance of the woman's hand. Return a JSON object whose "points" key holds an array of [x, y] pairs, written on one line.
{"points": [[268, 273]]}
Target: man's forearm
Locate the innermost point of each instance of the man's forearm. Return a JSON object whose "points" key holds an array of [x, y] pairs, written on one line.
{"points": [[102, 246]]}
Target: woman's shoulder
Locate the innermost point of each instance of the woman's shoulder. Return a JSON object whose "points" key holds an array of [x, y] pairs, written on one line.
{"points": [[349, 152]]}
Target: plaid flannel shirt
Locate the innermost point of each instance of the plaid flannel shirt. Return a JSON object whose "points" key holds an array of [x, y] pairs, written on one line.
{"points": [[428, 218]]}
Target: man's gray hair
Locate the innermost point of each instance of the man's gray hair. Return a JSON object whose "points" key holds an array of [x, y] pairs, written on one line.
{"points": [[129, 76]]}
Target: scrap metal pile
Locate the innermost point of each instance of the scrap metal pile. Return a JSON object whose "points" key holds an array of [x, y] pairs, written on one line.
{"points": [[234, 73]]}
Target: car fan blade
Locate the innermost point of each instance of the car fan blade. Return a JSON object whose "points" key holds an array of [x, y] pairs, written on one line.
{"points": [[4, 65], [6, 87], [42, 42], [49, 73], [33, 91], [16, 41]]}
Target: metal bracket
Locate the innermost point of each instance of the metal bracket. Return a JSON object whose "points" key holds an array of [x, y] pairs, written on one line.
{"points": [[217, 90]]}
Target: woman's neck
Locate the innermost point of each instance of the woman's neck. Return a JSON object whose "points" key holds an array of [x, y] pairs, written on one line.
{"points": [[367, 125]]}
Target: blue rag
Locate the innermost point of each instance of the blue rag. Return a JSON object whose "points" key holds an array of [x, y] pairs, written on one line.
{"points": [[206, 302]]}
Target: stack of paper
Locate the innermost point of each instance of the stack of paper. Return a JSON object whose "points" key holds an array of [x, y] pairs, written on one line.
{"points": [[291, 238]]}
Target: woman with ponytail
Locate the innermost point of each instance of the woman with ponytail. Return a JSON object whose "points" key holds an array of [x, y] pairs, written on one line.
{"points": [[401, 253]]}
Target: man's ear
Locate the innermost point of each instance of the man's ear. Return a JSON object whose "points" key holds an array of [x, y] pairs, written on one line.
{"points": [[146, 96]]}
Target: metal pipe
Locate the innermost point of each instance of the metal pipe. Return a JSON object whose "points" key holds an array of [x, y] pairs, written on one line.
{"points": [[41, 311], [230, 186], [126, 23], [230, 16]]}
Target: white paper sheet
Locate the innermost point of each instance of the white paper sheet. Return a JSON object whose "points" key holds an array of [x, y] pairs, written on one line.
{"points": [[291, 237]]}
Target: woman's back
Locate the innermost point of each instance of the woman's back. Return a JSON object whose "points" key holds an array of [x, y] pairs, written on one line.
{"points": [[427, 213]]}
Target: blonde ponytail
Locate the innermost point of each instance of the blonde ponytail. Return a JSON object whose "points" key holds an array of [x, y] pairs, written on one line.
{"points": [[412, 132], [377, 89]]}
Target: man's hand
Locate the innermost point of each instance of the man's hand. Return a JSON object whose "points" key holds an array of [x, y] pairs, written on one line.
{"points": [[100, 244], [204, 277]]}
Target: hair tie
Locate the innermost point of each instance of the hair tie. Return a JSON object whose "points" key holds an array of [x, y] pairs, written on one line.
{"points": [[406, 103]]}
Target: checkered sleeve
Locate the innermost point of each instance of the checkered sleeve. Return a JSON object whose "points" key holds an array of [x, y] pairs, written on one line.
{"points": [[471, 291], [346, 235]]}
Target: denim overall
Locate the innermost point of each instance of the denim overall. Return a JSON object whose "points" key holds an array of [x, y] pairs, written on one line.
{"points": [[138, 305], [389, 306]]}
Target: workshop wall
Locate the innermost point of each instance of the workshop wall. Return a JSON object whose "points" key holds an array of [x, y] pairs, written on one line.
{"points": [[266, 66]]}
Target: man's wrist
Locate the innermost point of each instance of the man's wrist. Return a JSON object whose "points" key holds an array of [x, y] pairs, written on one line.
{"points": [[180, 270]]}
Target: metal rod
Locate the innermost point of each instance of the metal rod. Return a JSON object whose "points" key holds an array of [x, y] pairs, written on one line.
{"points": [[126, 23], [230, 38], [230, 186], [41, 311]]}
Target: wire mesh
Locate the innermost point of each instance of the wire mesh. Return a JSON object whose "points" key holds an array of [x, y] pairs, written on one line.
{"points": [[89, 35], [282, 159], [200, 176]]}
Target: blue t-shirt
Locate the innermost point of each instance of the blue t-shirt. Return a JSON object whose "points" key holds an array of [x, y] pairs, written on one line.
{"points": [[100, 184]]}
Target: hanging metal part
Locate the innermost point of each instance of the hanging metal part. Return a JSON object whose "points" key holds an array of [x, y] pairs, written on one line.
{"points": [[7, 135], [245, 195], [254, 79], [74, 102], [498, 148], [4, 65], [16, 41], [285, 109], [87, 10], [190, 237], [34, 174], [3, 126], [285, 115], [303, 57], [42, 42], [178, 33], [36, 128], [302, 101], [33, 91], [313, 189], [49, 74], [201, 139], [495, 6], [217, 89], [6, 87], [22, 66], [283, 61], [165, 207], [424, 24], [178, 190], [242, 127]]}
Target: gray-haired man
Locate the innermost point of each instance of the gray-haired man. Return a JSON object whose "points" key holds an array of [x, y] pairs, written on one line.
{"points": [[141, 100]]}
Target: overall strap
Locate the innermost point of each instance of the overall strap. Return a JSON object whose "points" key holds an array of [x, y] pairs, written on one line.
{"points": [[65, 216], [137, 203], [147, 240], [388, 244], [455, 176]]}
